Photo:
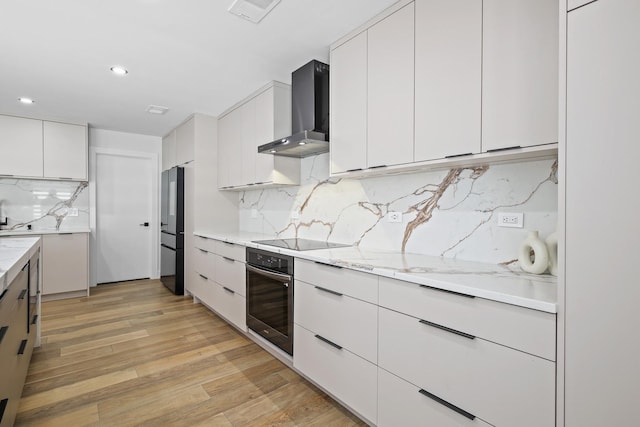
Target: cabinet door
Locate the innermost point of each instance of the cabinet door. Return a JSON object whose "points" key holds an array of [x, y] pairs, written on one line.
{"points": [[64, 263], [519, 73], [234, 149], [185, 138], [391, 89], [65, 150], [169, 151], [348, 100], [224, 135], [21, 145], [248, 141], [601, 297], [264, 133], [448, 78]]}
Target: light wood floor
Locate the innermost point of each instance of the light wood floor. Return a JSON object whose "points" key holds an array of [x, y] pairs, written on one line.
{"points": [[134, 354]]}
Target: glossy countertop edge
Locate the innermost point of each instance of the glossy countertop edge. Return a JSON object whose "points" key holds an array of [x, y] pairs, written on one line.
{"points": [[9, 233], [540, 292], [22, 249]]}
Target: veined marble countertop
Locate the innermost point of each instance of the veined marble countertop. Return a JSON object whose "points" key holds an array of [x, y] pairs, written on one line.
{"points": [[42, 231], [14, 254], [503, 283]]}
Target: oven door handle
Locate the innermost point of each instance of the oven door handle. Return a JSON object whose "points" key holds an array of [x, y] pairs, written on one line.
{"points": [[285, 278]]}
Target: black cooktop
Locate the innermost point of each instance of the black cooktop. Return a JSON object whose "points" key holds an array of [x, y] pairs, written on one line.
{"points": [[300, 244]]}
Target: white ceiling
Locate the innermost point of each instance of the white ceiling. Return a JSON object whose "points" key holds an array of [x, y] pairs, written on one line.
{"points": [[188, 55]]}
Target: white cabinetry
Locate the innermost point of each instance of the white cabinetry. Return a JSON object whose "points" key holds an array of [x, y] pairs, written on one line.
{"points": [[448, 59], [65, 265], [65, 151], [519, 73], [169, 150], [601, 345], [185, 136], [21, 146], [261, 118]]}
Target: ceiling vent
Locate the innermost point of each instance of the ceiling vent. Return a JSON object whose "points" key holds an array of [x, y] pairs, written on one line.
{"points": [[252, 10], [156, 109]]}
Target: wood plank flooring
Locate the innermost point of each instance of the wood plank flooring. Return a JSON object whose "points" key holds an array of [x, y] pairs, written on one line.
{"points": [[133, 354]]}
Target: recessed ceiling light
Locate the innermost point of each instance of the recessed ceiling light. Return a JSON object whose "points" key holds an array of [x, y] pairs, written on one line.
{"points": [[119, 71], [252, 10], [26, 100], [157, 109]]}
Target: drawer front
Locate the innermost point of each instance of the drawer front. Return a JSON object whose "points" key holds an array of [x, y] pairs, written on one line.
{"points": [[231, 250], [402, 404], [231, 306], [348, 282], [531, 331], [231, 274], [346, 376], [502, 386], [10, 297], [204, 263], [349, 322], [208, 245], [200, 287]]}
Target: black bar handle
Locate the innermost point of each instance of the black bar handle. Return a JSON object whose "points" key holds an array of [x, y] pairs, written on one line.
{"points": [[228, 243], [3, 406], [23, 345], [231, 291], [327, 265], [203, 276], [228, 259], [503, 149], [444, 328], [64, 234], [34, 320], [328, 291], [457, 155], [3, 293], [22, 294], [353, 170], [331, 343], [3, 332], [447, 404], [202, 250], [447, 291], [377, 167]]}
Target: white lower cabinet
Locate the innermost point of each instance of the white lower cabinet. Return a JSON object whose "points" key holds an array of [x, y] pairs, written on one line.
{"points": [[401, 403], [65, 265], [498, 384], [349, 378], [230, 274]]}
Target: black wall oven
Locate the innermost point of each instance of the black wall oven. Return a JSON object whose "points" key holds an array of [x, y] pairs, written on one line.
{"points": [[270, 297]]}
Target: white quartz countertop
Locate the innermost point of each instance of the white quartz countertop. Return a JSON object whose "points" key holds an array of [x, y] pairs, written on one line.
{"points": [[502, 283], [38, 232], [14, 254]]}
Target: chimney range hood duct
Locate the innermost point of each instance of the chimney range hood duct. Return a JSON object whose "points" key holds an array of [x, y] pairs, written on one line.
{"points": [[309, 114]]}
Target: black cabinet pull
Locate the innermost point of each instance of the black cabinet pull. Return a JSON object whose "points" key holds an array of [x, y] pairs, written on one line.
{"points": [[444, 328], [203, 276], [23, 345], [457, 155], [3, 294], [3, 406], [353, 170], [327, 265], [3, 332], [228, 259], [228, 243], [331, 343], [447, 291], [231, 291], [329, 291], [22, 294], [34, 320], [203, 251], [377, 167], [503, 149], [447, 404]]}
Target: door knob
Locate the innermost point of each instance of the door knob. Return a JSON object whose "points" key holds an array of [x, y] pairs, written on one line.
{"points": [[144, 224]]}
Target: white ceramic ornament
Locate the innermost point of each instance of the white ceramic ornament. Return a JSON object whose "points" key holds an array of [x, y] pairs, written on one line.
{"points": [[540, 261]]}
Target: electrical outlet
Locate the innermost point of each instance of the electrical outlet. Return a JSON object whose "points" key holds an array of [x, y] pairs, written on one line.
{"points": [[394, 217], [507, 219], [72, 212]]}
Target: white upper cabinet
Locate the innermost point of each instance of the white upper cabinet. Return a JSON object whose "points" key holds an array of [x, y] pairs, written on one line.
{"points": [[21, 146], [390, 66], [65, 151], [185, 139], [448, 78], [519, 73], [259, 119], [348, 100], [169, 150]]}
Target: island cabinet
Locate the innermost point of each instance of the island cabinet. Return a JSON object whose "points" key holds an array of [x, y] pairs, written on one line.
{"points": [[463, 360], [220, 279], [335, 333]]}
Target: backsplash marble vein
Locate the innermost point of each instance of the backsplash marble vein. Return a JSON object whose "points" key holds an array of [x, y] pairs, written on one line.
{"points": [[448, 213]]}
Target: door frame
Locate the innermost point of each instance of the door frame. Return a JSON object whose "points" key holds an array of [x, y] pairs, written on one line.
{"points": [[154, 177]]}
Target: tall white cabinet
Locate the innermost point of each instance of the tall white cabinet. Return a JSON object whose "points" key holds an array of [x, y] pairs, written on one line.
{"points": [[601, 291]]}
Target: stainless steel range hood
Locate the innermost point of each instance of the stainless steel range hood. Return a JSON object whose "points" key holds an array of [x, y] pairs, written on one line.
{"points": [[309, 114]]}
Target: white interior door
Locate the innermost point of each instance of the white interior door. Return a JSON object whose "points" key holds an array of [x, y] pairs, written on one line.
{"points": [[124, 201]]}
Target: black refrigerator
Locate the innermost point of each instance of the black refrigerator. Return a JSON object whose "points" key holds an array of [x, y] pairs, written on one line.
{"points": [[172, 230]]}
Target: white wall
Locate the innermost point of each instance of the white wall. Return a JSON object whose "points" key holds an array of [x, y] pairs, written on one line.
{"points": [[102, 139]]}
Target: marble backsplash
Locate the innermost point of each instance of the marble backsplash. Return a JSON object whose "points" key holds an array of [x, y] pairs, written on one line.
{"points": [[450, 213], [45, 205]]}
